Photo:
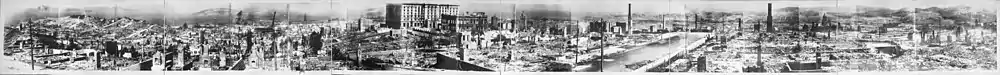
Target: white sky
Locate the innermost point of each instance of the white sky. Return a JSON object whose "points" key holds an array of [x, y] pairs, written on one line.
{"points": [[354, 8], [500, 7]]}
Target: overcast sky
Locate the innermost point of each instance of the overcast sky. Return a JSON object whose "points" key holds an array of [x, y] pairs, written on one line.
{"points": [[348, 6], [353, 8]]}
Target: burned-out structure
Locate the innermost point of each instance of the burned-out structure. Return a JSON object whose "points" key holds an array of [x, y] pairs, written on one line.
{"points": [[502, 36]]}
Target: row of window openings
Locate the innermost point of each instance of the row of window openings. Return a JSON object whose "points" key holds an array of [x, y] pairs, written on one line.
{"points": [[433, 12], [427, 7]]}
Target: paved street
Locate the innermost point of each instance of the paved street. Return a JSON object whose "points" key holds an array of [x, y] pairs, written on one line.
{"points": [[618, 61]]}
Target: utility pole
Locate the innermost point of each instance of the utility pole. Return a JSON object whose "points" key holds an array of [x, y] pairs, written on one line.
{"points": [[32, 52], [602, 51], [358, 54], [566, 34], [274, 36]]}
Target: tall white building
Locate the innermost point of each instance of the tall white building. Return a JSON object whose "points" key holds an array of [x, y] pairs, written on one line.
{"points": [[407, 15]]}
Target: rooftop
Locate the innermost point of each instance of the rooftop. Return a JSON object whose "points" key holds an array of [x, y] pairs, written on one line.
{"points": [[427, 4]]}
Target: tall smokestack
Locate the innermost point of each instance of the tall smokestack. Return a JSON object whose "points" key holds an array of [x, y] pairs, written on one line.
{"points": [[759, 46], [288, 15], [769, 18]]}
